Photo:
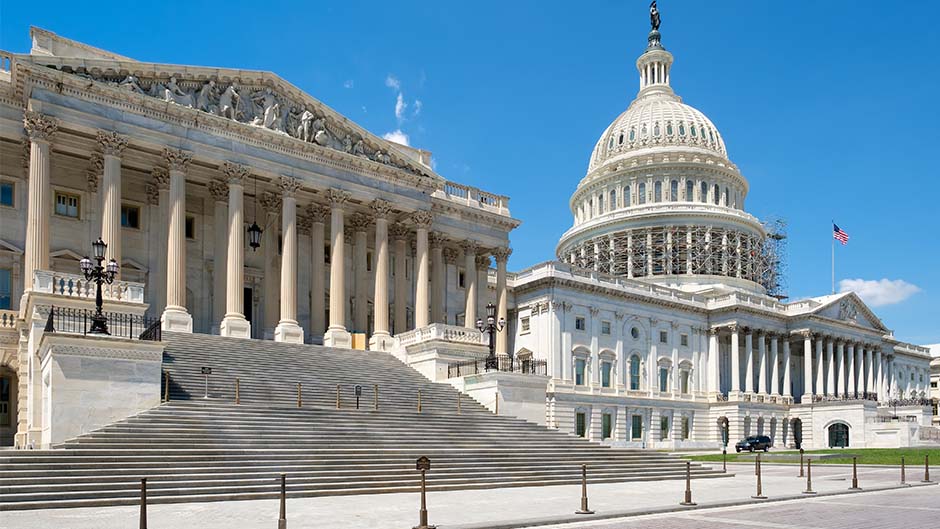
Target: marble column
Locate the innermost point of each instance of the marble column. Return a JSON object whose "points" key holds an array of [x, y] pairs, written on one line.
{"points": [[841, 378], [502, 299], [483, 282], [470, 283], [820, 371], [234, 323], [381, 340], [288, 330], [158, 195], [422, 220], [450, 261], [175, 316], [850, 369], [317, 214], [271, 205], [438, 277], [748, 360], [870, 366], [735, 360], [860, 368], [112, 147], [762, 362], [359, 223], [40, 129], [774, 365], [714, 370], [218, 190], [879, 376], [787, 392], [399, 290], [337, 335], [807, 366], [830, 361]]}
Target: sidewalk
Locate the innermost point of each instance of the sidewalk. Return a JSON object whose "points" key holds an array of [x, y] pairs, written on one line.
{"points": [[512, 507]]}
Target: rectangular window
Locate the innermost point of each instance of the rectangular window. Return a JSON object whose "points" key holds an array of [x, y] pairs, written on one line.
{"points": [[579, 372], [685, 382], [5, 401], [684, 340], [606, 426], [664, 427], [579, 324], [191, 228], [130, 216], [6, 194], [605, 327], [663, 379], [524, 324], [6, 288], [580, 424], [685, 428], [636, 429], [663, 337], [67, 205], [605, 374]]}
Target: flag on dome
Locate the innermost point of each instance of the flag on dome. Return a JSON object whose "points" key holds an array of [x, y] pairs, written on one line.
{"points": [[839, 235]]}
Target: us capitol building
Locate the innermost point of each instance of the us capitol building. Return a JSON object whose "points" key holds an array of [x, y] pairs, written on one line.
{"points": [[236, 204]]}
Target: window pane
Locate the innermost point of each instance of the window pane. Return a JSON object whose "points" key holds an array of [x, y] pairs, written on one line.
{"points": [[605, 374], [6, 194], [579, 372], [637, 432], [635, 373], [580, 424], [606, 424], [5, 288]]}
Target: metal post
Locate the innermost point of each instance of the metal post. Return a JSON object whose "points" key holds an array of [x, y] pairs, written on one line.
{"points": [[903, 480], [458, 402], [801, 462], [206, 395], [809, 477], [497, 402], [724, 460], [143, 503], [166, 389], [584, 497], [688, 485], [926, 469], [300, 400], [423, 513], [282, 519], [854, 475], [375, 393], [337, 397], [760, 492], [238, 399], [419, 401]]}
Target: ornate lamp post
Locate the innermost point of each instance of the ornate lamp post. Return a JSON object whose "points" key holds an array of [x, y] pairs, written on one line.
{"points": [[491, 327], [99, 274]]}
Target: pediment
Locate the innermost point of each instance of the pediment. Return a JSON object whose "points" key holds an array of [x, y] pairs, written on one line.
{"points": [[10, 247], [850, 309], [66, 254], [252, 98]]}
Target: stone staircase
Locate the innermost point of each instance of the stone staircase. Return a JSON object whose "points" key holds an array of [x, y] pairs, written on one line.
{"points": [[210, 449]]}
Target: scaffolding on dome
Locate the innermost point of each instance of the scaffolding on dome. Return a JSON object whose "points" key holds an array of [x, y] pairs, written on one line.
{"points": [[774, 263]]}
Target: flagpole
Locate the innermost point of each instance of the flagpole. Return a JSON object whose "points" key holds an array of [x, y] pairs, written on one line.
{"points": [[833, 239]]}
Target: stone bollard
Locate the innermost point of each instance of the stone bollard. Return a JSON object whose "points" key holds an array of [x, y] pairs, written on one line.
{"points": [[238, 399], [757, 470], [300, 400], [282, 518], [809, 477], [143, 503], [688, 485], [584, 498], [375, 393], [854, 475], [801, 462], [926, 469]]}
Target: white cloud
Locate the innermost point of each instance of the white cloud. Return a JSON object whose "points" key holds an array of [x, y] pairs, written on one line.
{"points": [[398, 137], [349, 83], [878, 293], [418, 106], [392, 82], [400, 107]]}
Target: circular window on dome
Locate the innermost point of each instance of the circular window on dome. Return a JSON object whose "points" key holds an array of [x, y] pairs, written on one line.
{"points": [[669, 129], [656, 130], [632, 134], [682, 129], [693, 131], [635, 333]]}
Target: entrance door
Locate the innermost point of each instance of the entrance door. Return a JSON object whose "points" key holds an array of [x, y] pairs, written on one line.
{"points": [[798, 433], [839, 435], [246, 303]]}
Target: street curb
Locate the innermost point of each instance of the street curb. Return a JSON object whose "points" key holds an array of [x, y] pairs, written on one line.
{"points": [[554, 520]]}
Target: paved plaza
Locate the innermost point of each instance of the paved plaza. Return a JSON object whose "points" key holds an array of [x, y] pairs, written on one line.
{"points": [[519, 507]]}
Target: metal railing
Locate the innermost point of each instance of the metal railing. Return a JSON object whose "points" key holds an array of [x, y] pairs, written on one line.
{"points": [[505, 364], [120, 325], [846, 398]]}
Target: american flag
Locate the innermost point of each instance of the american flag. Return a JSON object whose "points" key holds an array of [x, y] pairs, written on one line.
{"points": [[839, 235]]}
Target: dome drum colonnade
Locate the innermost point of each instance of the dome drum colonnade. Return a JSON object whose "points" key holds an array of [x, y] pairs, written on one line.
{"points": [[168, 186]]}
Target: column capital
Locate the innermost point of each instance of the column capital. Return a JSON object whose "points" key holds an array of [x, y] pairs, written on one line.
{"points": [[380, 208], [337, 197], [450, 255], [218, 189], [40, 127], [733, 327], [94, 171], [422, 219], [288, 185], [399, 231], [270, 202], [713, 331], [749, 331], [805, 334], [483, 261], [234, 173], [318, 213], [502, 254], [304, 224], [153, 194], [469, 246], [348, 233], [360, 221], [436, 239], [177, 159], [111, 143], [160, 177]]}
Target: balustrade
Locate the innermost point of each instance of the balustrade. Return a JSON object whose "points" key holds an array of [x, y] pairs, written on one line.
{"points": [[76, 286]]}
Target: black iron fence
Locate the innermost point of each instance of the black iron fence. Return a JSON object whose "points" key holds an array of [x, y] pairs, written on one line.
{"points": [[120, 325], [505, 364]]}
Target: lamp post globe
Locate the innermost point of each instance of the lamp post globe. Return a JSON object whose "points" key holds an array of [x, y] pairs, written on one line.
{"points": [[100, 274], [254, 236], [490, 328]]}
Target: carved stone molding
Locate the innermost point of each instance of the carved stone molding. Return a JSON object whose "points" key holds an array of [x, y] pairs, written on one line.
{"points": [[234, 173], [469, 246], [39, 127], [380, 208], [619, 315], [26, 149], [111, 143], [436, 239], [177, 159], [483, 262], [594, 311], [399, 231], [161, 177], [153, 194], [94, 171], [318, 213], [337, 197], [218, 189], [450, 256], [288, 185], [502, 254], [422, 219], [348, 233], [360, 221], [270, 202]]}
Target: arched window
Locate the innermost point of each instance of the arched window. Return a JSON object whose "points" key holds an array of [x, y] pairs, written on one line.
{"points": [[620, 141], [674, 191], [600, 204], [610, 144], [591, 206], [613, 200], [626, 196], [689, 190], [663, 379], [643, 131], [682, 129], [641, 194], [839, 435], [727, 197], [632, 133], [693, 130], [634, 372], [704, 192], [711, 136], [716, 194], [669, 128], [658, 192], [656, 131]]}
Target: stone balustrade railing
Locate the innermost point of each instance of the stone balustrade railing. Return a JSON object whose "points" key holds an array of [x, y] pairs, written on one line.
{"points": [[6, 61], [76, 286], [7, 319], [472, 196], [442, 332]]}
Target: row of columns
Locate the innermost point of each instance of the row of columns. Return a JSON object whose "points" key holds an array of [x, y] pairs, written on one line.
{"points": [[838, 368], [766, 357]]}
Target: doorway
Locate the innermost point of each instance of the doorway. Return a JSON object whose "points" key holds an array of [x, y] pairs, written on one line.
{"points": [[839, 435]]}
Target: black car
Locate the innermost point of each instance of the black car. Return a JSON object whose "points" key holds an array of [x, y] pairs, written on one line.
{"points": [[754, 442]]}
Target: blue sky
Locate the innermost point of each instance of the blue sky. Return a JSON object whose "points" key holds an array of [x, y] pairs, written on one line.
{"points": [[828, 108]]}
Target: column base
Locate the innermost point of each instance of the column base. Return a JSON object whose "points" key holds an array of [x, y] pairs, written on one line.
{"points": [[176, 319], [381, 342], [288, 331], [235, 326], [806, 398], [337, 337]]}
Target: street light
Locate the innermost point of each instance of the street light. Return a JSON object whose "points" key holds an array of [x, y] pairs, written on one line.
{"points": [[99, 274], [491, 327]]}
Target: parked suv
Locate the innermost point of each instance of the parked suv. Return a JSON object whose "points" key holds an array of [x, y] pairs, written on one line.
{"points": [[754, 442]]}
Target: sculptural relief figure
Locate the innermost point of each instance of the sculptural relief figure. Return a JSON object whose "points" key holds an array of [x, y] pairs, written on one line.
{"points": [[360, 148], [347, 144], [322, 137], [305, 129], [228, 103], [270, 108], [132, 83], [654, 16], [205, 98], [172, 92]]}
